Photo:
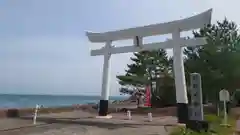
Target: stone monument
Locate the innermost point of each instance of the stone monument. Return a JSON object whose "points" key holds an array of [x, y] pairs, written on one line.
{"points": [[196, 106], [196, 116]]}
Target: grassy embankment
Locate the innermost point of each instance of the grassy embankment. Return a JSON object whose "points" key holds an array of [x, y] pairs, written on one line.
{"points": [[215, 127]]}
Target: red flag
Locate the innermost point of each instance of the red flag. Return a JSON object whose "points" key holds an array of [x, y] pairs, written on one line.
{"points": [[148, 96]]}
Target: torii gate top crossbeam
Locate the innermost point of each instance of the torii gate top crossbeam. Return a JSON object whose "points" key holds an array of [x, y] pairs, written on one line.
{"points": [[194, 22]]}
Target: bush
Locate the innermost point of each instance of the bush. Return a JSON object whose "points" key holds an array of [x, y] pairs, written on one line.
{"points": [[212, 118]]}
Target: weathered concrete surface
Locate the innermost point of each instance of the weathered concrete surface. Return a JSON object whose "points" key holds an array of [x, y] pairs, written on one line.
{"points": [[84, 123], [10, 123]]}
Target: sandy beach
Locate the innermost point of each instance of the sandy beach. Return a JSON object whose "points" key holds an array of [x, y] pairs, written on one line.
{"points": [[81, 122]]}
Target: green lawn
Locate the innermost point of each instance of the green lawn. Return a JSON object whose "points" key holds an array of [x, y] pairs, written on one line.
{"points": [[215, 127]]}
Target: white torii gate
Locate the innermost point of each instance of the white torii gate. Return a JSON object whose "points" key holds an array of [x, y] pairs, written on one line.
{"points": [[137, 34]]}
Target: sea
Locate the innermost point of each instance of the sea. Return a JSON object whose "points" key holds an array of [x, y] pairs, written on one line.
{"points": [[30, 101]]}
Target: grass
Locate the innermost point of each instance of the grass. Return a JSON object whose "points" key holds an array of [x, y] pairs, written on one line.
{"points": [[215, 127]]}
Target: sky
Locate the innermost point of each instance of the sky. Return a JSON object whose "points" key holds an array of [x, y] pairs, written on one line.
{"points": [[44, 49]]}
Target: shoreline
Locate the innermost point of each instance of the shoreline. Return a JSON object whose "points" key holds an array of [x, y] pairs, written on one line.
{"points": [[90, 108], [16, 113], [21, 101]]}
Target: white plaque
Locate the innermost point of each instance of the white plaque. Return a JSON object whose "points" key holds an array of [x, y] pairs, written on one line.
{"points": [[224, 95]]}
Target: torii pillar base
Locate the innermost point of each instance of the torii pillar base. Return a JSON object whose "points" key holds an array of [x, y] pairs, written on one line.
{"points": [[103, 108], [182, 113], [104, 117]]}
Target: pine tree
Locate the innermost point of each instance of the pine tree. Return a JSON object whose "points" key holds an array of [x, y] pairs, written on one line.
{"points": [[138, 73], [218, 61]]}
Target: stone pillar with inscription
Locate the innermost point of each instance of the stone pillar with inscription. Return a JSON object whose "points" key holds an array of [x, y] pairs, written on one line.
{"points": [[196, 116], [196, 106]]}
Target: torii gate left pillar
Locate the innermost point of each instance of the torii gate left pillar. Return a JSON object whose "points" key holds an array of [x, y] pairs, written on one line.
{"points": [[103, 110]]}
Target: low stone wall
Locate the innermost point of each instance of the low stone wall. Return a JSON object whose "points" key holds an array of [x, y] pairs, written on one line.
{"points": [[13, 112], [167, 111], [235, 112]]}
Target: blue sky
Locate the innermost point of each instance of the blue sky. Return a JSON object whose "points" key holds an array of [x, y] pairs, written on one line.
{"points": [[44, 50]]}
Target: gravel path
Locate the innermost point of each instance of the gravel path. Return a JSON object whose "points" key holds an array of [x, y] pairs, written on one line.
{"points": [[68, 130], [82, 123], [81, 130]]}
